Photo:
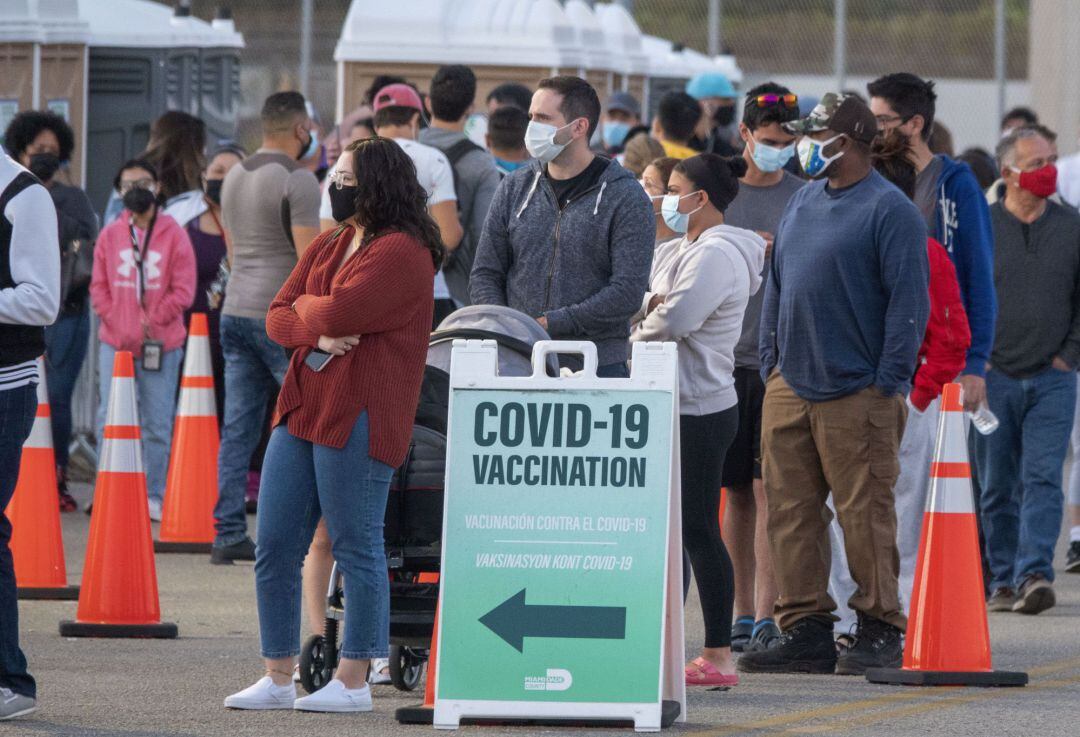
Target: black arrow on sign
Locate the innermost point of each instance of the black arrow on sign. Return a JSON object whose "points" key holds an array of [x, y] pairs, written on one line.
{"points": [[514, 620]]}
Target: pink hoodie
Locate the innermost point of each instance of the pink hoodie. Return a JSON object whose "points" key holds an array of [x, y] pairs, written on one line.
{"points": [[169, 270]]}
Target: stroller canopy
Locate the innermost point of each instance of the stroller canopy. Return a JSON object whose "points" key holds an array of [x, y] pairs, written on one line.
{"points": [[514, 331]]}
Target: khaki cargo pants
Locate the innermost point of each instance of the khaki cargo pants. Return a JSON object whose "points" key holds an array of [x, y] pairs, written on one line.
{"points": [[847, 446]]}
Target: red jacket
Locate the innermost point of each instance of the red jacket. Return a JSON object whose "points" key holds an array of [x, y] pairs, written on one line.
{"points": [[384, 295], [944, 350]]}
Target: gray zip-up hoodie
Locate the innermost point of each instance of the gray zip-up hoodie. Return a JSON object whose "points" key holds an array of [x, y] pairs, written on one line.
{"points": [[585, 267]]}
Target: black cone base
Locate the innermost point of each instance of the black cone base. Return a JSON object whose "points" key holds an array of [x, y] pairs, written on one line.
{"points": [[159, 631], [986, 679], [165, 547], [59, 593], [419, 714]]}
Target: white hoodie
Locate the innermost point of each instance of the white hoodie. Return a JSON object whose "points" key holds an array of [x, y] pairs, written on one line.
{"points": [[706, 285]]}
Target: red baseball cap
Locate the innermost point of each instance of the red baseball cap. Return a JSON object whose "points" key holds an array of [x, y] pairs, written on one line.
{"points": [[397, 95]]}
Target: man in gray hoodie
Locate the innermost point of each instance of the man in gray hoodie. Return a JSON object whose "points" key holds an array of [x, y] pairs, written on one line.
{"points": [[569, 238]]}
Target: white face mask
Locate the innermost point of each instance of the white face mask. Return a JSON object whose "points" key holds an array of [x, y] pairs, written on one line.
{"points": [[811, 155], [540, 141]]}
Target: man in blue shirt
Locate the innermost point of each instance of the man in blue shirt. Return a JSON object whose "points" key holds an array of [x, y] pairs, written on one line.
{"points": [[846, 305]]}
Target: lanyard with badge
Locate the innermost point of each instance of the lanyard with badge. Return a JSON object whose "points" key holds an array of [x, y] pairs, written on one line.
{"points": [[152, 350]]}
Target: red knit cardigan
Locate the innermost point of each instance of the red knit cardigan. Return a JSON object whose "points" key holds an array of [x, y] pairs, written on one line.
{"points": [[383, 294]]}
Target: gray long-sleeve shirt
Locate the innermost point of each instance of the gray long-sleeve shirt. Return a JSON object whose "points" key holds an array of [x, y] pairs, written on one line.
{"points": [[1037, 278]]}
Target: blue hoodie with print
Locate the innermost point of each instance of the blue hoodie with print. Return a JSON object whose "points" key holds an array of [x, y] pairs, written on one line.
{"points": [[962, 225]]}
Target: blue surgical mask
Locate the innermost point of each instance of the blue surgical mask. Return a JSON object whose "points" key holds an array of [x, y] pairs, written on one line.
{"points": [[771, 158], [509, 166], [311, 148], [614, 133], [814, 163], [669, 208]]}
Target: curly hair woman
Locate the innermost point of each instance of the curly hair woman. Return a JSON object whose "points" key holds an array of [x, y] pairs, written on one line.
{"points": [[357, 311]]}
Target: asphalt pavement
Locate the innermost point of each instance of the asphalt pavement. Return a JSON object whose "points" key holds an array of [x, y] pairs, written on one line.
{"points": [[174, 688]]}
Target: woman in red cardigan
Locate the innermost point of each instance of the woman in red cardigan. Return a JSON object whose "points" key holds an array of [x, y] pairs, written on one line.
{"points": [[357, 310]]}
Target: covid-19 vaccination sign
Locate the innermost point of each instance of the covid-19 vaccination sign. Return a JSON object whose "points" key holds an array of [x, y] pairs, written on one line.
{"points": [[558, 523]]}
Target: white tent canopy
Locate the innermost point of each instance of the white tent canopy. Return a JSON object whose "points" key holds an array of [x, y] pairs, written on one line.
{"points": [[590, 35], [534, 33], [41, 21], [145, 24], [623, 38]]}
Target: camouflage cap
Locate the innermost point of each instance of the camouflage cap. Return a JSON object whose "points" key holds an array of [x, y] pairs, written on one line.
{"points": [[845, 114]]}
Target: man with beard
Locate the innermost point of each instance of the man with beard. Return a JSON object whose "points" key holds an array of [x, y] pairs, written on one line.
{"points": [[845, 311]]}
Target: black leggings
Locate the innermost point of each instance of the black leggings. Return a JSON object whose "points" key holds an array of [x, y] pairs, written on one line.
{"points": [[705, 440]]}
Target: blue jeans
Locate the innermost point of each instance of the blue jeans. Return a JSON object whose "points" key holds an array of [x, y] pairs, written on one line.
{"points": [[301, 482], [17, 410], [1019, 468], [255, 367], [156, 395], [66, 341]]}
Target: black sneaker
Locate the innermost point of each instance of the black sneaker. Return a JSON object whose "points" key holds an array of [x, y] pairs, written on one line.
{"points": [[741, 632], [766, 634], [877, 645], [224, 556], [1001, 600], [1072, 560], [807, 647], [1036, 595]]}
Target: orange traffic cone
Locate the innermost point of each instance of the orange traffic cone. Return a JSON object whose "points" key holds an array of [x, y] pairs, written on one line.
{"points": [[424, 713], [948, 640], [36, 540], [119, 593], [187, 522]]}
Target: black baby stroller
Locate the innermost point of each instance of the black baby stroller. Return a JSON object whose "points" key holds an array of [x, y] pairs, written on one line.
{"points": [[414, 509]]}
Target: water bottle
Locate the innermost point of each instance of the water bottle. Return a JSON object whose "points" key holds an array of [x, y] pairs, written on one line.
{"points": [[983, 419]]}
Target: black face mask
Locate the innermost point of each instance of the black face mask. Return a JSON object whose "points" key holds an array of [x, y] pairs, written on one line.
{"points": [[213, 190], [44, 166], [139, 200], [724, 115], [343, 202]]}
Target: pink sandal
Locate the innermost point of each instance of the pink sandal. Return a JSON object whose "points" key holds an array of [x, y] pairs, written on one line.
{"points": [[705, 673]]}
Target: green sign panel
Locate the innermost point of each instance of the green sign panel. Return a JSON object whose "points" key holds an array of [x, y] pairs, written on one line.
{"points": [[554, 552]]}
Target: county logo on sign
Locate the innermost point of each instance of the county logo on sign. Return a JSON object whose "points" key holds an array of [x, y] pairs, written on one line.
{"points": [[557, 679]]}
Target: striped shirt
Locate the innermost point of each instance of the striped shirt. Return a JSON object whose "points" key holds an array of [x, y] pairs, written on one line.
{"points": [[19, 375]]}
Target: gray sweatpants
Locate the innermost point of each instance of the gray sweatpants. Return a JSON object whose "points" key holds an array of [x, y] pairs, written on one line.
{"points": [[912, 485]]}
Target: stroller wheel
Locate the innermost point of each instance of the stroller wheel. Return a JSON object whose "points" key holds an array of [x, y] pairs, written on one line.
{"points": [[405, 668], [316, 667]]}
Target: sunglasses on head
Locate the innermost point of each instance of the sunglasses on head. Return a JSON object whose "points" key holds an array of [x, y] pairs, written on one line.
{"points": [[788, 100]]}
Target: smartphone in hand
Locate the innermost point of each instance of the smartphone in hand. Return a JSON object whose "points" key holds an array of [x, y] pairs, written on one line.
{"points": [[318, 359]]}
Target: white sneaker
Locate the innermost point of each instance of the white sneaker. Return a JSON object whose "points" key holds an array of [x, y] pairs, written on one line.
{"points": [[155, 509], [376, 676], [296, 674], [336, 698], [263, 695]]}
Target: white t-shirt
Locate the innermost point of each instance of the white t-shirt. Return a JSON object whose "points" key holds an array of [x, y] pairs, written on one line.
{"points": [[436, 177], [1068, 181]]}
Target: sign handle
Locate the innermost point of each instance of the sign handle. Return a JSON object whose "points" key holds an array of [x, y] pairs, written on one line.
{"points": [[543, 348]]}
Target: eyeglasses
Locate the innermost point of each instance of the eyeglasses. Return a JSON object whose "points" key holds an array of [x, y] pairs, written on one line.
{"points": [[126, 187], [791, 101], [884, 120], [343, 179]]}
